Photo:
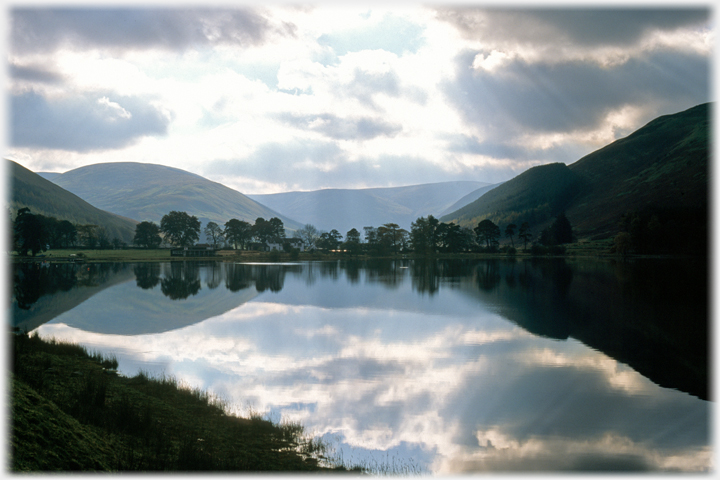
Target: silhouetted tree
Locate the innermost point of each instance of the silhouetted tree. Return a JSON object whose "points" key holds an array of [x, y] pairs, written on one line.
{"points": [[147, 234], [329, 240], [238, 232], [562, 229], [510, 231], [180, 229], [392, 236], [424, 235], [352, 236], [524, 234], [487, 232], [214, 232], [30, 233], [309, 235]]}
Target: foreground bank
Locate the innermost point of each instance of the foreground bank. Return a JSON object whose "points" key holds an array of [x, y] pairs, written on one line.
{"points": [[71, 411]]}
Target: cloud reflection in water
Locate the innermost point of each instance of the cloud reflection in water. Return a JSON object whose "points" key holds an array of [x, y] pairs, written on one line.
{"points": [[447, 378]]}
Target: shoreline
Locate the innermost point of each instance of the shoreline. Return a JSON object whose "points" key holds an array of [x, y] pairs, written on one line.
{"points": [[81, 256]]}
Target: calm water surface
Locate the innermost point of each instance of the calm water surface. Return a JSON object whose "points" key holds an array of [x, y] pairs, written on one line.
{"points": [[447, 366]]}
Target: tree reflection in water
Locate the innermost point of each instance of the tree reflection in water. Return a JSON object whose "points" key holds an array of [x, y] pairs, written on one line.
{"points": [[181, 280]]}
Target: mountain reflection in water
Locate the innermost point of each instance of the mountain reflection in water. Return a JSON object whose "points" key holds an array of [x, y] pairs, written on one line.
{"points": [[461, 365]]}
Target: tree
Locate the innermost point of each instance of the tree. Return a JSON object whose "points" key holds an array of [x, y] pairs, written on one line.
{"points": [[180, 229], [147, 234], [487, 232], [215, 232], [509, 232], [88, 235], [558, 233], [424, 235], [309, 235], [329, 240], [238, 232], [562, 229], [370, 235], [30, 233], [353, 236], [392, 236], [525, 234], [67, 234], [276, 228], [454, 238], [262, 230]]}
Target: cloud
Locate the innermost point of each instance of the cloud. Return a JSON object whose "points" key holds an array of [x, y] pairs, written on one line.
{"points": [[523, 97], [365, 85], [516, 151], [43, 29], [358, 128], [313, 164], [35, 73], [587, 27], [82, 122]]}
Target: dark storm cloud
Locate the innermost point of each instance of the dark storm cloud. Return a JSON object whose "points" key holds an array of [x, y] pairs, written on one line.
{"points": [[43, 29], [580, 26], [82, 123], [361, 128], [34, 73], [575, 96]]}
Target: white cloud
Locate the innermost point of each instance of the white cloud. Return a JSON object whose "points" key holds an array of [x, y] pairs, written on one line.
{"points": [[378, 86]]}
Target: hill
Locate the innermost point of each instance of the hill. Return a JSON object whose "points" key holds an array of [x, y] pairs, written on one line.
{"points": [[344, 209], [660, 169], [469, 198], [146, 192], [43, 197]]}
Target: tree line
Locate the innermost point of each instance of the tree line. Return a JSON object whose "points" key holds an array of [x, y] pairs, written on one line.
{"points": [[183, 230], [36, 233]]}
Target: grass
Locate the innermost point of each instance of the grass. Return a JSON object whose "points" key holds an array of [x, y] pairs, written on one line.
{"points": [[72, 412]]}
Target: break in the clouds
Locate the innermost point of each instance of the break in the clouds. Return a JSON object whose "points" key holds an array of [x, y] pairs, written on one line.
{"points": [[266, 99]]}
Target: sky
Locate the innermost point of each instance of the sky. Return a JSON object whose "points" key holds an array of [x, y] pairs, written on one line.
{"points": [[281, 97]]}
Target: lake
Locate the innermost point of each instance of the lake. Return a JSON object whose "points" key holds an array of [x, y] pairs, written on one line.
{"points": [[438, 366]]}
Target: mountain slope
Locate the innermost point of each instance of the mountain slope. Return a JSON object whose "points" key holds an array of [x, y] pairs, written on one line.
{"points": [[469, 198], [146, 192], [344, 209], [43, 197], [662, 167]]}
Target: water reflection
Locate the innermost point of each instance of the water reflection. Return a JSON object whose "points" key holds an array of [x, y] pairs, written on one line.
{"points": [[463, 365]]}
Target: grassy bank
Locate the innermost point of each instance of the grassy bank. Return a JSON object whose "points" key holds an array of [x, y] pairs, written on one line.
{"points": [[71, 411], [588, 248]]}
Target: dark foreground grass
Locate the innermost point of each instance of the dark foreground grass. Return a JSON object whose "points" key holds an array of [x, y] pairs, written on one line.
{"points": [[72, 412]]}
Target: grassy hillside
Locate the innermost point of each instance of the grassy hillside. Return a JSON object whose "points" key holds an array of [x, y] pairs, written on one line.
{"points": [[343, 209], [147, 192], [661, 169], [43, 197], [71, 412], [534, 196]]}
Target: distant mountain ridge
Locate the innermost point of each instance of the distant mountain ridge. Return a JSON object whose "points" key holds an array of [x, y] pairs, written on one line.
{"points": [[146, 192], [662, 166], [344, 209], [28, 189]]}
